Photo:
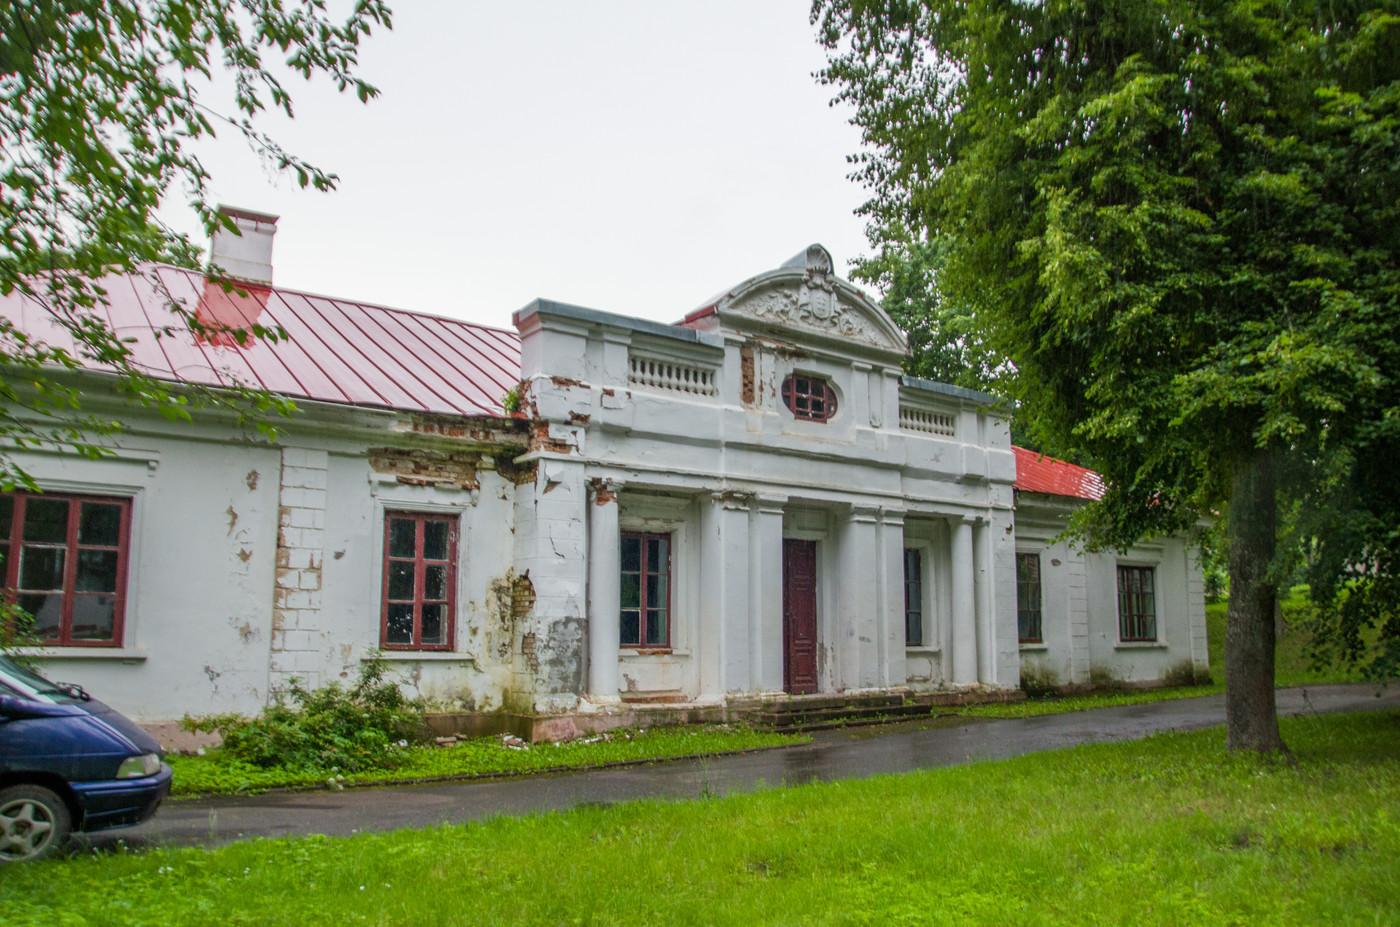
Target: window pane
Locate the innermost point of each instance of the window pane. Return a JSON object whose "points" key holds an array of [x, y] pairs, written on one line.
{"points": [[93, 617], [41, 568], [656, 627], [401, 580], [659, 558], [46, 520], [100, 523], [402, 540], [654, 591], [662, 593], [631, 591], [434, 625], [434, 540], [434, 582], [399, 625], [631, 628], [47, 611], [7, 511], [97, 572], [631, 554]]}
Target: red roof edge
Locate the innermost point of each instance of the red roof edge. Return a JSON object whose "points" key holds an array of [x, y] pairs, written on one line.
{"points": [[1035, 472], [696, 316]]}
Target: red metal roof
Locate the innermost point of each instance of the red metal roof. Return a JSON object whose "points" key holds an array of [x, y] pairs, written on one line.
{"points": [[1037, 473], [336, 351]]}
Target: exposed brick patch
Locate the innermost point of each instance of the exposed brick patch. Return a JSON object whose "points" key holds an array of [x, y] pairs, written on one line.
{"points": [[602, 491], [746, 376], [522, 595], [542, 440], [521, 474], [485, 429], [419, 467], [296, 598]]}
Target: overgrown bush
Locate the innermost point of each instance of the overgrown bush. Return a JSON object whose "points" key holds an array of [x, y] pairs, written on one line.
{"points": [[364, 726]]}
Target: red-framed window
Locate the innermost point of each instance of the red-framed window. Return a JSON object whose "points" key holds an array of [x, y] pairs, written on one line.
{"points": [[420, 580], [1028, 610], [1137, 603], [809, 398], [913, 597], [645, 590], [65, 563]]}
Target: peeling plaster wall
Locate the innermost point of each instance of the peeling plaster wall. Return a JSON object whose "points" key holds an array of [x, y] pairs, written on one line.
{"points": [[200, 573], [474, 675], [252, 564], [548, 640]]}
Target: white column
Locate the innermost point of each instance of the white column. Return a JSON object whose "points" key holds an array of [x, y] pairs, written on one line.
{"points": [[891, 629], [856, 624], [964, 623], [766, 593], [604, 602], [983, 593], [710, 646]]}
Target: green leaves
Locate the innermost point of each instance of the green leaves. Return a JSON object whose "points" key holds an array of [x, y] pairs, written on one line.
{"points": [[99, 107], [1180, 223]]}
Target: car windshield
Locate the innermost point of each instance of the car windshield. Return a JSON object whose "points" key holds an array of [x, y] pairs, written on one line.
{"points": [[30, 679]]}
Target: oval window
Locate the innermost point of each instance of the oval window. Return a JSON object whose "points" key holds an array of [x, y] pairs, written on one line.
{"points": [[809, 398]]}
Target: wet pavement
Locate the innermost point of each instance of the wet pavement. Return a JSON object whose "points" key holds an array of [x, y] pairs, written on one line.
{"points": [[848, 754]]}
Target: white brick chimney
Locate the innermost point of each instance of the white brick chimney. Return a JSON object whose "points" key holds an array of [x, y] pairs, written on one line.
{"points": [[246, 256]]}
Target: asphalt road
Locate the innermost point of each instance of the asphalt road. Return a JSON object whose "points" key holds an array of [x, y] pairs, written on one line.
{"points": [[850, 754]]}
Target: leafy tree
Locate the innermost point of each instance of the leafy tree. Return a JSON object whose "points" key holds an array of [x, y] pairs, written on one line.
{"points": [[100, 106], [1181, 222], [944, 341]]}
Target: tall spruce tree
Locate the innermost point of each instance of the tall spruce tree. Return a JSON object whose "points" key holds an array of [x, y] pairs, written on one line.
{"points": [[1181, 222]]}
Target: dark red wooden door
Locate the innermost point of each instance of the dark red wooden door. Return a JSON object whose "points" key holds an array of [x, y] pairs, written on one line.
{"points": [[799, 616]]}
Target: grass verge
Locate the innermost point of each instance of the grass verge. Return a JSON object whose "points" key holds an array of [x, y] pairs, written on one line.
{"points": [[214, 774], [1166, 830]]}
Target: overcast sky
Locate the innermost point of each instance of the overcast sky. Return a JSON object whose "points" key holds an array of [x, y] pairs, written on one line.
{"points": [[635, 156]]}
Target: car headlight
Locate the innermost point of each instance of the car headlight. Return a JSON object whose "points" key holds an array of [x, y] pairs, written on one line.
{"points": [[137, 767]]}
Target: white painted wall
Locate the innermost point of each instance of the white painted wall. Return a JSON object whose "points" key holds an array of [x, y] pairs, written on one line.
{"points": [[1080, 623], [214, 619]]}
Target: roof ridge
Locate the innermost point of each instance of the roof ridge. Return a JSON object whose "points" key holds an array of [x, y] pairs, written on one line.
{"points": [[346, 299]]}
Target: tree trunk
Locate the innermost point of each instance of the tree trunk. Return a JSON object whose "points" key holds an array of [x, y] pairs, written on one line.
{"points": [[1251, 718]]}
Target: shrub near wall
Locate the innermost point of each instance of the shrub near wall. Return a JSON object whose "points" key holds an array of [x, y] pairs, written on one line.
{"points": [[367, 725]]}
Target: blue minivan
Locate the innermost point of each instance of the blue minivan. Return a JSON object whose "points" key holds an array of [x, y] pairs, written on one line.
{"points": [[68, 762]]}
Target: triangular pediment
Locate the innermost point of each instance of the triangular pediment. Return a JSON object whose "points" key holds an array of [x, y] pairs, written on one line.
{"points": [[804, 298]]}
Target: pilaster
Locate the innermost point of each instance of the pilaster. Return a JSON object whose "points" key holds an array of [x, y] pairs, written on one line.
{"points": [[856, 624], [604, 603], [766, 593]]}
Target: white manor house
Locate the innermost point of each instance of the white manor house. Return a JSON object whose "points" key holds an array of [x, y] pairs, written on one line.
{"points": [[571, 522]]}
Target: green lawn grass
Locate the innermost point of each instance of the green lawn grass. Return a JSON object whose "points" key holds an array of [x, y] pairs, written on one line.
{"points": [[1166, 830], [215, 774]]}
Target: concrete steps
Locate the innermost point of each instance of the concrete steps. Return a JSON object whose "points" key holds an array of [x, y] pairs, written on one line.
{"points": [[816, 713]]}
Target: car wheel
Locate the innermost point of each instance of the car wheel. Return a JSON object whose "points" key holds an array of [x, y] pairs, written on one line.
{"points": [[34, 823]]}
